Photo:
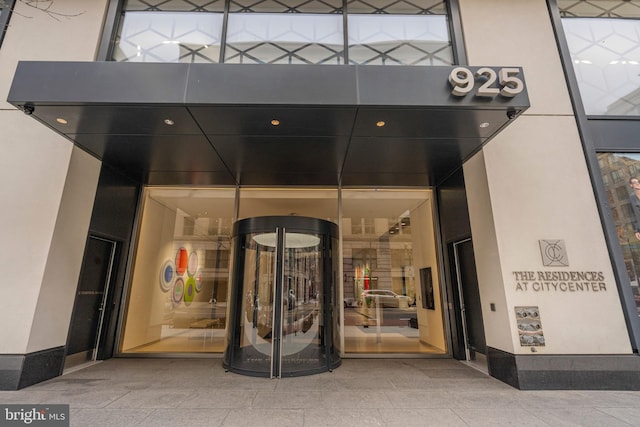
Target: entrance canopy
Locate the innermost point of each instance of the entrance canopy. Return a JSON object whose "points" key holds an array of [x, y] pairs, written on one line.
{"points": [[227, 124]]}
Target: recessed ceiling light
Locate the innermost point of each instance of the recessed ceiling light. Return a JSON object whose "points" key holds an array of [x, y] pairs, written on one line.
{"points": [[484, 125], [61, 121], [380, 124], [275, 122], [169, 122], [392, 232]]}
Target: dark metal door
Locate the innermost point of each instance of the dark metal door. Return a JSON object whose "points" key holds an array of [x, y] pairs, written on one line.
{"points": [[470, 308], [89, 308]]}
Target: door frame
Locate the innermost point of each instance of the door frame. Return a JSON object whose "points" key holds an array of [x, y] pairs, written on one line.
{"points": [[106, 297], [460, 306], [460, 296]]}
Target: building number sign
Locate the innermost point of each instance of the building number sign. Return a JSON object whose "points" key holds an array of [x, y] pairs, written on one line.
{"points": [[505, 82]]}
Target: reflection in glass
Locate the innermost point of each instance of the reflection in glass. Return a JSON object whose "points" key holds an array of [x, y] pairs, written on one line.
{"points": [[169, 37], [599, 8], [282, 287], [256, 328], [267, 38], [622, 173], [302, 315], [606, 60], [407, 7], [286, 6], [176, 5], [399, 40], [381, 32]]}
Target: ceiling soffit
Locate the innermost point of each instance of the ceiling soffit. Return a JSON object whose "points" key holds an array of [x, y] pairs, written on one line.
{"points": [[221, 124]]}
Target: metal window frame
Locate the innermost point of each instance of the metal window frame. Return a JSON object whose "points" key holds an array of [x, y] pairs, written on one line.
{"points": [[114, 12], [5, 17], [590, 152]]}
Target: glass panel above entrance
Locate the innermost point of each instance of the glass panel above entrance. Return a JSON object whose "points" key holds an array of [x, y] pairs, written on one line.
{"points": [[314, 203], [392, 299]]}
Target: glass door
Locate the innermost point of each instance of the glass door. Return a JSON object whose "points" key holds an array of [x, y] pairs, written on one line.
{"points": [[284, 297]]}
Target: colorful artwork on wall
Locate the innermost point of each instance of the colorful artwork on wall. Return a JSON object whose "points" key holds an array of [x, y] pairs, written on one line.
{"points": [[182, 261], [167, 274], [178, 290], [193, 264], [199, 280], [184, 289], [189, 290]]}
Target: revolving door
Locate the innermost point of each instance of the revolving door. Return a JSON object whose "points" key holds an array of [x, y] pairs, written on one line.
{"points": [[283, 303]]}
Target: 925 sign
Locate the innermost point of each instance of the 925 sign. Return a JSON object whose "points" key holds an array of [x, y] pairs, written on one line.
{"points": [[508, 83]]}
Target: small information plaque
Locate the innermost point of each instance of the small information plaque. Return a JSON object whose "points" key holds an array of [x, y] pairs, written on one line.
{"points": [[529, 326]]}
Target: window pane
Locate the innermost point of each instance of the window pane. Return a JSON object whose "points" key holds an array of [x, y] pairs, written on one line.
{"points": [[176, 5], [624, 202], [606, 60], [169, 37], [600, 8], [286, 6], [315, 203], [388, 238], [179, 287], [266, 38], [399, 40], [410, 7]]}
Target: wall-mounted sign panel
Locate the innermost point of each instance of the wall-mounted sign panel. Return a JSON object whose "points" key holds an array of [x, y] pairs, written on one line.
{"points": [[529, 326]]}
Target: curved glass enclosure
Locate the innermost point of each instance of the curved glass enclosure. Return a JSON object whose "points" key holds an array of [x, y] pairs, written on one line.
{"points": [[283, 302]]}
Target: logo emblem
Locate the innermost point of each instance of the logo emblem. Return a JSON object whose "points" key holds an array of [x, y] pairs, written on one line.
{"points": [[554, 253]]}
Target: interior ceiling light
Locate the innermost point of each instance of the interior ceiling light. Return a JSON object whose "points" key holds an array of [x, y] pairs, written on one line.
{"points": [[169, 122], [292, 240], [380, 124], [61, 121], [484, 125], [275, 122]]}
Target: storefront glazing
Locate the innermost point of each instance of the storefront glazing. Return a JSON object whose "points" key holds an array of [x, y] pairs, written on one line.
{"points": [[391, 295]]}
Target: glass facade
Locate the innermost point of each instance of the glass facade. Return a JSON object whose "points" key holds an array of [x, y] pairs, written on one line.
{"points": [[285, 32], [6, 6], [391, 304], [605, 51], [621, 175], [398, 33], [379, 32], [180, 281], [178, 296]]}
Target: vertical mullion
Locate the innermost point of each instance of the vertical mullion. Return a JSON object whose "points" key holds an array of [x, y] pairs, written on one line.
{"points": [[223, 36], [456, 35], [345, 32]]}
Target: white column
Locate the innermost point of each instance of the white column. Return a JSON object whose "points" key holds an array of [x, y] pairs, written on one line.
{"points": [[46, 187], [531, 183]]}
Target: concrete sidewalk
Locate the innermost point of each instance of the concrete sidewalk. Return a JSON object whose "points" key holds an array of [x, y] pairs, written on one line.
{"points": [[362, 392]]}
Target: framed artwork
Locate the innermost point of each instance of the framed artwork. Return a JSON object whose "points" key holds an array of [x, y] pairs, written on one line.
{"points": [[426, 284]]}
